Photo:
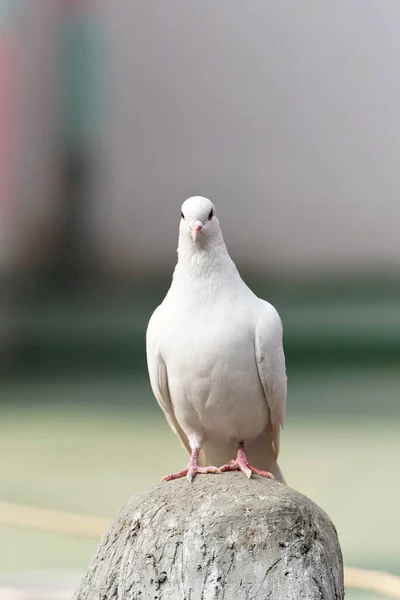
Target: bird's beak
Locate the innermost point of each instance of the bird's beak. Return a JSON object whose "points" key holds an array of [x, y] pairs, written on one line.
{"points": [[195, 229]]}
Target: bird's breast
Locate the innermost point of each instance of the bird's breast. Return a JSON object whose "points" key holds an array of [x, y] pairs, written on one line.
{"points": [[213, 378]]}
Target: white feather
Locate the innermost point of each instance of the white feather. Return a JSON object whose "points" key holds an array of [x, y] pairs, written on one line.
{"points": [[215, 354]]}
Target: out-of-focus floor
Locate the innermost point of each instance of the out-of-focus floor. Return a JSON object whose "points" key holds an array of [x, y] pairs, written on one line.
{"points": [[340, 447]]}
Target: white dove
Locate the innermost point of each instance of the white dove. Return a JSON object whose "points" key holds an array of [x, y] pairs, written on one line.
{"points": [[215, 357]]}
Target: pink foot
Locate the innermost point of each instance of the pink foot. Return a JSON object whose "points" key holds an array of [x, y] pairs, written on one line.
{"points": [[240, 463], [192, 469]]}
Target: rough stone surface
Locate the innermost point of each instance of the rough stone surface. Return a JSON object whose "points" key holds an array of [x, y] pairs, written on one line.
{"points": [[221, 537]]}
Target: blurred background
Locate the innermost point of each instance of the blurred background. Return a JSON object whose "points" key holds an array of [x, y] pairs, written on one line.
{"points": [[111, 115]]}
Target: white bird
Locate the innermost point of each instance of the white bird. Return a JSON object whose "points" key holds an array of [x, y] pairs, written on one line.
{"points": [[215, 357]]}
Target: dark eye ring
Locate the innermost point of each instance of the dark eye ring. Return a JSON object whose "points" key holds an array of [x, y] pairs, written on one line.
{"points": [[182, 215], [210, 216]]}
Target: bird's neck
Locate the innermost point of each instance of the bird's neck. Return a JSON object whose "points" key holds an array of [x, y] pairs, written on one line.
{"points": [[205, 261]]}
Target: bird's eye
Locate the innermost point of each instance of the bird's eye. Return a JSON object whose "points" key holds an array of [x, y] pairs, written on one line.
{"points": [[210, 216], [182, 215]]}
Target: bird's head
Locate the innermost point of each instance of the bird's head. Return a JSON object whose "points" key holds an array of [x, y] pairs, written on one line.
{"points": [[198, 218]]}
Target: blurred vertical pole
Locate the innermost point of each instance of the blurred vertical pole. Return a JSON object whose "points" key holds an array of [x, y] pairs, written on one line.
{"points": [[78, 78], [7, 191]]}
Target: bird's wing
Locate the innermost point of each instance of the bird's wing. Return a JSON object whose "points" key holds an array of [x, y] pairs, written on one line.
{"points": [[159, 382], [272, 368]]}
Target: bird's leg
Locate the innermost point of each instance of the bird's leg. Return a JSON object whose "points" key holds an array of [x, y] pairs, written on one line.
{"points": [[192, 469], [240, 463]]}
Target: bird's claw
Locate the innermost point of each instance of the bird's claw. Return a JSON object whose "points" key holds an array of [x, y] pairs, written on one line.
{"points": [[190, 472], [241, 465], [201, 470]]}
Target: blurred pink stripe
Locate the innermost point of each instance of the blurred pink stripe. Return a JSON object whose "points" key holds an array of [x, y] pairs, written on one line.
{"points": [[6, 125]]}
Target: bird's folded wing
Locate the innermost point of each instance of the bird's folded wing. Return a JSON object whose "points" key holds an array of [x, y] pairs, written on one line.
{"points": [[271, 367], [159, 385]]}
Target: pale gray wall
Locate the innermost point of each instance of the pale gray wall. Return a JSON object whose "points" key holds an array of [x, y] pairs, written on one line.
{"points": [[285, 113]]}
